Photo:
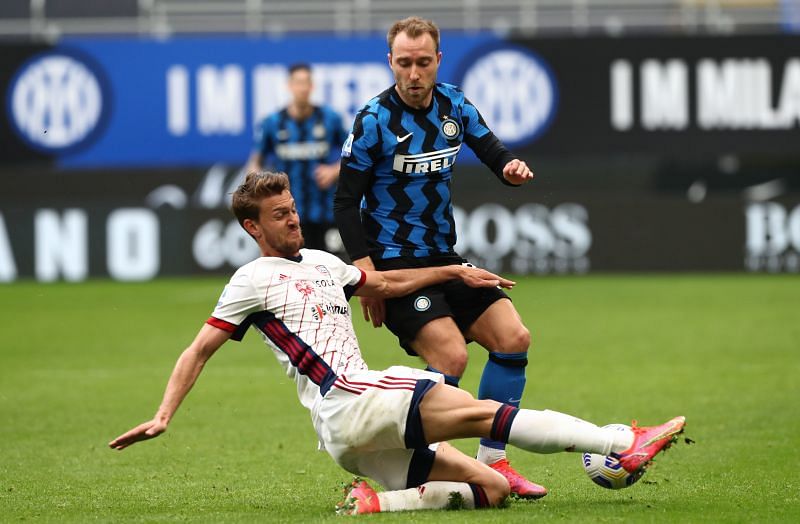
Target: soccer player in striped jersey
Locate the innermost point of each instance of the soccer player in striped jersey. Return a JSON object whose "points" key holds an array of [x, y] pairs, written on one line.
{"points": [[394, 210], [389, 425], [300, 140]]}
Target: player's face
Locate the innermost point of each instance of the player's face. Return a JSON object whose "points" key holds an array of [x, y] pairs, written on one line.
{"points": [[415, 62], [300, 86], [278, 227]]}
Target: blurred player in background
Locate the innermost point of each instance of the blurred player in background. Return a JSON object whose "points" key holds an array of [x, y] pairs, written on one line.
{"points": [[299, 140], [383, 424], [394, 210]]}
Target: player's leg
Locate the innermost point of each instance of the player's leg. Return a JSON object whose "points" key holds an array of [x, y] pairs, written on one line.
{"points": [[499, 329], [442, 346], [447, 413], [455, 481], [423, 324], [488, 317]]}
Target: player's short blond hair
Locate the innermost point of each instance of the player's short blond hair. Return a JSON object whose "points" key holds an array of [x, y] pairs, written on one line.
{"points": [[257, 185], [414, 27]]}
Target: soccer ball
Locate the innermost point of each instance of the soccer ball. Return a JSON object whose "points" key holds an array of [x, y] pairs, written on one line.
{"points": [[607, 471]]}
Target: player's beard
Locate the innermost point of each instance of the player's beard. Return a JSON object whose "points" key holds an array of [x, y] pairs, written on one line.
{"points": [[288, 245], [415, 97]]}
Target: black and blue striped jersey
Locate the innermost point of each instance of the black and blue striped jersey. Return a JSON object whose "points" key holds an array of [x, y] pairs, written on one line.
{"points": [[297, 147], [394, 196]]}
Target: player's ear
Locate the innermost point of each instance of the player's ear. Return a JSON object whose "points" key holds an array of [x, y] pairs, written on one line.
{"points": [[389, 58], [252, 228], [438, 57]]}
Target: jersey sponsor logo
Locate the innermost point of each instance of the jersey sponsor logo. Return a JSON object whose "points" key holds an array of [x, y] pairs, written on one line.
{"points": [[401, 139], [302, 151], [58, 101], [450, 128], [347, 147], [422, 303], [426, 162], [517, 115], [324, 270], [304, 287], [319, 311]]}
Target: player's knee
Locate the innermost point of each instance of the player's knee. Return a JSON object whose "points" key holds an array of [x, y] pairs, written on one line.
{"points": [[457, 363], [449, 360], [517, 340]]}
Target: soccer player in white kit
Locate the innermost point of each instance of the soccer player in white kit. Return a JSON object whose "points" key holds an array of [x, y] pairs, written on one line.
{"points": [[389, 425]]}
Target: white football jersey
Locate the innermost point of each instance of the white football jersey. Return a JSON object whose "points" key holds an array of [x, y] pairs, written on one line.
{"points": [[301, 310]]}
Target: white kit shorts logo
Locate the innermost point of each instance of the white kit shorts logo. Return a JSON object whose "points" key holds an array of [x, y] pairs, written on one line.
{"points": [[57, 101], [515, 91]]}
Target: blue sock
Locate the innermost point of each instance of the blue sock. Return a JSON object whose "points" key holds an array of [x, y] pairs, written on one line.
{"points": [[450, 380], [503, 380]]}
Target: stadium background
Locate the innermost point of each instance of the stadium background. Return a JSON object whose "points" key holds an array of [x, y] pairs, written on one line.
{"points": [[664, 135]]}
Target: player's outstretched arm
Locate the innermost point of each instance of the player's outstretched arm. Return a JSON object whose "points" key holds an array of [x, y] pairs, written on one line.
{"points": [[184, 375], [401, 282]]}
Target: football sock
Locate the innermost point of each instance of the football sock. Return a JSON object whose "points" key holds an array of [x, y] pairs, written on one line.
{"points": [[490, 455], [450, 380], [550, 432], [503, 380], [434, 495]]}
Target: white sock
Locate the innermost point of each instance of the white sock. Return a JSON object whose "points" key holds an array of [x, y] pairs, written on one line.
{"points": [[489, 455], [431, 495], [550, 432]]}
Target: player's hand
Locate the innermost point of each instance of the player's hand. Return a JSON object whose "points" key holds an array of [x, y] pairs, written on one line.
{"points": [[477, 277], [374, 309], [326, 175], [144, 431], [517, 172]]}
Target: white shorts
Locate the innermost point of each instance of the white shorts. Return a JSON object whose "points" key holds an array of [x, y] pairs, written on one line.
{"points": [[369, 423]]}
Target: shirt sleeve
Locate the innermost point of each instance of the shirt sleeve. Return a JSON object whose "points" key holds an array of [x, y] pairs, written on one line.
{"points": [[360, 152], [349, 277], [238, 301], [487, 147]]}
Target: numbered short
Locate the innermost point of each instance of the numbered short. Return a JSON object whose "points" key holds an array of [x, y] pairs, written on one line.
{"points": [[406, 315], [369, 422]]}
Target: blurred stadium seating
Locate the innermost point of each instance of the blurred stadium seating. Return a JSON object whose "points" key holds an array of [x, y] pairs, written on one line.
{"points": [[51, 19]]}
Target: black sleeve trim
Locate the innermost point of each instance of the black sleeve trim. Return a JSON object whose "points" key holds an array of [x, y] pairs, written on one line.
{"points": [[346, 210], [491, 151]]}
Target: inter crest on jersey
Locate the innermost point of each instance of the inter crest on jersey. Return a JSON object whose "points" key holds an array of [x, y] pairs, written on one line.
{"points": [[450, 128]]}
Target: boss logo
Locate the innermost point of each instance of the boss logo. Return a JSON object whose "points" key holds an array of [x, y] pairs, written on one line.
{"points": [[533, 238], [773, 237]]}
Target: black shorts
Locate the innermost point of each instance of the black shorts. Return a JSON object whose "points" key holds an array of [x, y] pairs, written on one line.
{"points": [[406, 315]]}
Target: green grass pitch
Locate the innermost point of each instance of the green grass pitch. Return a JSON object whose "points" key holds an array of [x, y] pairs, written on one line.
{"points": [[81, 363]]}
